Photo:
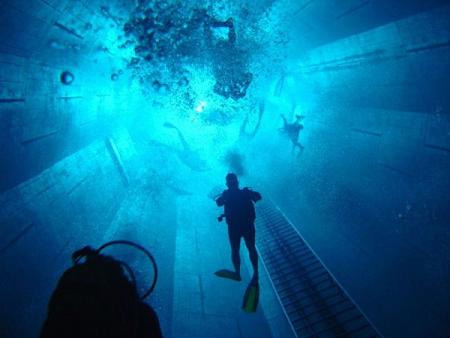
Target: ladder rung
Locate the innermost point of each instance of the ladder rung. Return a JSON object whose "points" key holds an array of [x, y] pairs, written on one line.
{"points": [[314, 305], [295, 277], [297, 265], [340, 324], [358, 329], [312, 286], [301, 252], [294, 274], [304, 270], [315, 293], [329, 317]]}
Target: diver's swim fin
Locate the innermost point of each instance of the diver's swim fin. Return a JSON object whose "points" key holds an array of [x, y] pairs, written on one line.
{"points": [[169, 125], [251, 298], [228, 274]]}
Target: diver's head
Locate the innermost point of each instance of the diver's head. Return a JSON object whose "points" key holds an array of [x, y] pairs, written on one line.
{"points": [[232, 181]]}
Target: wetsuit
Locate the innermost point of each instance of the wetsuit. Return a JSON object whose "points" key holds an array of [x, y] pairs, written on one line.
{"points": [[240, 216], [293, 131]]}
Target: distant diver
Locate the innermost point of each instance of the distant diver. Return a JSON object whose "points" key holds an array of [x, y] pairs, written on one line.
{"points": [[229, 67], [98, 297], [292, 130], [239, 212], [157, 182], [243, 133], [189, 157]]}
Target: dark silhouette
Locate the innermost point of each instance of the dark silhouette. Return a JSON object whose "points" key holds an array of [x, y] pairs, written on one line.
{"points": [[293, 130], [240, 215], [95, 298], [243, 133], [67, 78]]}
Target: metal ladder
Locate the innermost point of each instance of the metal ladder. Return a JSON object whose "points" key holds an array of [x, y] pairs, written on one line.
{"points": [[313, 301]]}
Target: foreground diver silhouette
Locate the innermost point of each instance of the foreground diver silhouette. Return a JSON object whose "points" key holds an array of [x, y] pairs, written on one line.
{"points": [[293, 130], [239, 213], [95, 298]]}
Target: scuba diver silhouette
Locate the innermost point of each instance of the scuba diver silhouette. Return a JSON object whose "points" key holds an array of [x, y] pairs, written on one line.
{"points": [[98, 297], [293, 130], [240, 215]]}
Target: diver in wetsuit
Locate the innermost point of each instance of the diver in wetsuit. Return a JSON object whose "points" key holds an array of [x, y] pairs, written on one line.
{"points": [[240, 217], [293, 130], [229, 68]]}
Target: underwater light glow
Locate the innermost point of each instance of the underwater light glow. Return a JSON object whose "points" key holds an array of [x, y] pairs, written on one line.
{"points": [[201, 106]]}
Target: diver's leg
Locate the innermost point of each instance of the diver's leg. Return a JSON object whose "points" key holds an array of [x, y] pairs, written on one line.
{"points": [[293, 148], [285, 122], [249, 238], [299, 145], [242, 131], [258, 123], [235, 243]]}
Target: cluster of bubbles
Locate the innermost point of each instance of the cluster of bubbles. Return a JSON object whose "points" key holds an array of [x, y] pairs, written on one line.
{"points": [[170, 35]]}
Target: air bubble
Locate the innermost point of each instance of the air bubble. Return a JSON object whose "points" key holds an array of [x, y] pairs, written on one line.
{"points": [[67, 77]]}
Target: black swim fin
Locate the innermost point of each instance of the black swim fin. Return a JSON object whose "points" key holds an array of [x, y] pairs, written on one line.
{"points": [[228, 274], [169, 125], [251, 298]]}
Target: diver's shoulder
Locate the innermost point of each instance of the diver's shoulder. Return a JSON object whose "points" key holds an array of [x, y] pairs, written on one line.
{"points": [[248, 190], [251, 193], [225, 192]]}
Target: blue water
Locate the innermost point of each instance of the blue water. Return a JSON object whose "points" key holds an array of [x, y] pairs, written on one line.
{"points": [[118, 119]]}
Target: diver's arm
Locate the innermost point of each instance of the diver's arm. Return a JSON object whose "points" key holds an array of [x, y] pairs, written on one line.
{"points": [[221, 200], [256, 196], [253, 195]]}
